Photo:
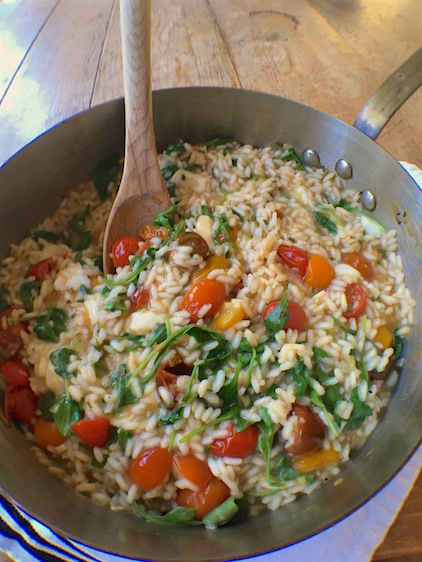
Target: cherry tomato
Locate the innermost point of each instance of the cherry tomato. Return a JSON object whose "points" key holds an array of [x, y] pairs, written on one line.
{"points": [[123, 248], [10, 339], [295, 258], [21, 403], [236, 444], [168, 380], [384, 336], [192, 468], [233, 235], [42, 269], [150, 231], [15, 372], [150, 468], [140, 299], [206, 499], [356, 300], [316, 460], [319, 272], [297, 316], [46, 434], [94, 433], [308, 432], [360, 263], [204, 291]]}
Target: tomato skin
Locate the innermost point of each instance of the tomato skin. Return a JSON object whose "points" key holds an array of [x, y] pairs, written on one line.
{"points": [[236, 445], [356, 300], [206, 499], [150, 468], [297, 317], [360, 263], [95, 432], [42, 269], [150, 231], [140, 299], [269, 309], [15, 372], [10, 339], [46, 434], [295, 258], [168, 380], [192, 468], [308, 431], [204, 291], [319, 272], [123, 248], [21, 403]]}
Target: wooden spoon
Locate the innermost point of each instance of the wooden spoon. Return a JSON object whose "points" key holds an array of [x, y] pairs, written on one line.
{"points": [[142, 193]]}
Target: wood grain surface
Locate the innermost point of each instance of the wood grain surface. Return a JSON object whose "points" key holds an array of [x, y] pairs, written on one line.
{"points": [[59, 57]]}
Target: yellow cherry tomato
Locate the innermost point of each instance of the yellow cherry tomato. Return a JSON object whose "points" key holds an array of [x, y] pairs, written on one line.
{"points": [[230, 313], [214, 262], [316, 460], [384, 336]]}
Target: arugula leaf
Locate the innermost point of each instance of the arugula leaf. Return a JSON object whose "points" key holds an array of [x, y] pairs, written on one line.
{"points": [[272, 391], [291, 155], [324, 221], [222, 513], [331, 398], [60, 360], [278, 317], [300, 374], [281, 470], [104, 173], [316, 399], [241, 424], [176, 148], [222, 234], [321, 352], [85, 290], [247, 355], [359, 413], [123, 437], [45, 403], [122, 383], [169, 171], [173, 416], [344, 328], [67, 412], [96, 464], [193, 167], [171, 187], [229, 393], [177, 516], [117, 304], [50, 325], [231, 414], [4, 305], [398, 347], [79, 239], [256, 177], [46, 235], [158, 335], [346, 205], [98, 262], [28, 291], [213, 143], [329, 208], [206, 211], [265, 439]]}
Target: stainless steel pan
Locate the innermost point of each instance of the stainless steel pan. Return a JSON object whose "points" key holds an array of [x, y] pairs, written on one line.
{"points": [[32, 185]]}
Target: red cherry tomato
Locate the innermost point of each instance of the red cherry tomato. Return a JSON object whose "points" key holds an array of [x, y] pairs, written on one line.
{"points": [[150, 468], [360, 263], [236, 444], [140, 299], [269, 309], [356, 300], [42, 269], [15, 372], [295, 258], [192, 468], [206, 499], [123, 248], [94, 433], [204, 291], [168, 380], [10, 339], [308, 432], [297, 316], [46, 434], [21, 403]]}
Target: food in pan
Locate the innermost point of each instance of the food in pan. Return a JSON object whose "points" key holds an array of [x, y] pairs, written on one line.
{"points": [[248, 341]]}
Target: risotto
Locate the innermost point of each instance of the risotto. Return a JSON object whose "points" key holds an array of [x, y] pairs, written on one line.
{"points": [[248, 341]]}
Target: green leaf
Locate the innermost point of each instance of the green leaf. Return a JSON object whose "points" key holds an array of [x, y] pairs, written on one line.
{"points": [[123, 437], [173, 416], [320, 352], [66, 414], [229, 393], [169, 171], [50, 325], [28, 291], [45, 403], [346, 205], [97, 464], [46, 235], [231, 414], [344, 328], [177, 516], [104, 173], [171, 188], [359, 413], [398, 348], [85, 290], [60, 360], [272, 391], [176, 148], [265, 439], [278, 318], [79, 239], [281, 471], [324, 221], [241, 424], [223, 232], [300, 374], [193, 167], [316, 399], [291, 155], [256, 177], [117, 304], [158, 335], [213, 143], [222, 513], [122, 384], [206, 211]]}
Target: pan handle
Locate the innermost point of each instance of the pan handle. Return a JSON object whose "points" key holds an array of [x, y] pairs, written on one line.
{"points": [[390, 96]]}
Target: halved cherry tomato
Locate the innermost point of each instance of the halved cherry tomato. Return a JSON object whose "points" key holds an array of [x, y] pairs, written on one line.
{"points": [[206, 499], [233, 235], [123, 248], [297, 316], [204, 291], [15, 372], [229, 314], [168, 380], [316, 460], [21, 403], [214, 262], [359, 262], [192, 468], [384, 336], [319, 272], [295, 258], [42, 269], [150, 468], [46, 434], [10, 339], [140, 299], [356, 300], [94, 433], [237, 444], [309, 430], [150, 231]]}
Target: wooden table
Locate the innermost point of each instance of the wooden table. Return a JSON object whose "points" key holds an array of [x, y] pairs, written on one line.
{"points": [[59, 57]]}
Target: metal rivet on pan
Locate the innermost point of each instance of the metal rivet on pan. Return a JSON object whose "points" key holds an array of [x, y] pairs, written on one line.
{"points": [[368, 200], [310, 157], [344, 169]]}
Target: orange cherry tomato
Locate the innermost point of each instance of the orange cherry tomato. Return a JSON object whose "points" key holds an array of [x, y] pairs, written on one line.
{"points": [[140, 299], [46, 434], [359, 262], [204, 291], [309, 430], [233, 234], [384, 336], [123, 248], [295, 258], [150, 231], [168, 380], [297, 316], [21, 403], [42, 269], [319, 272], [236, 444], [150, 468], [206, 499], [15, 372], [192, 468], [316, 460], [356, 300], [94, 433]]}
